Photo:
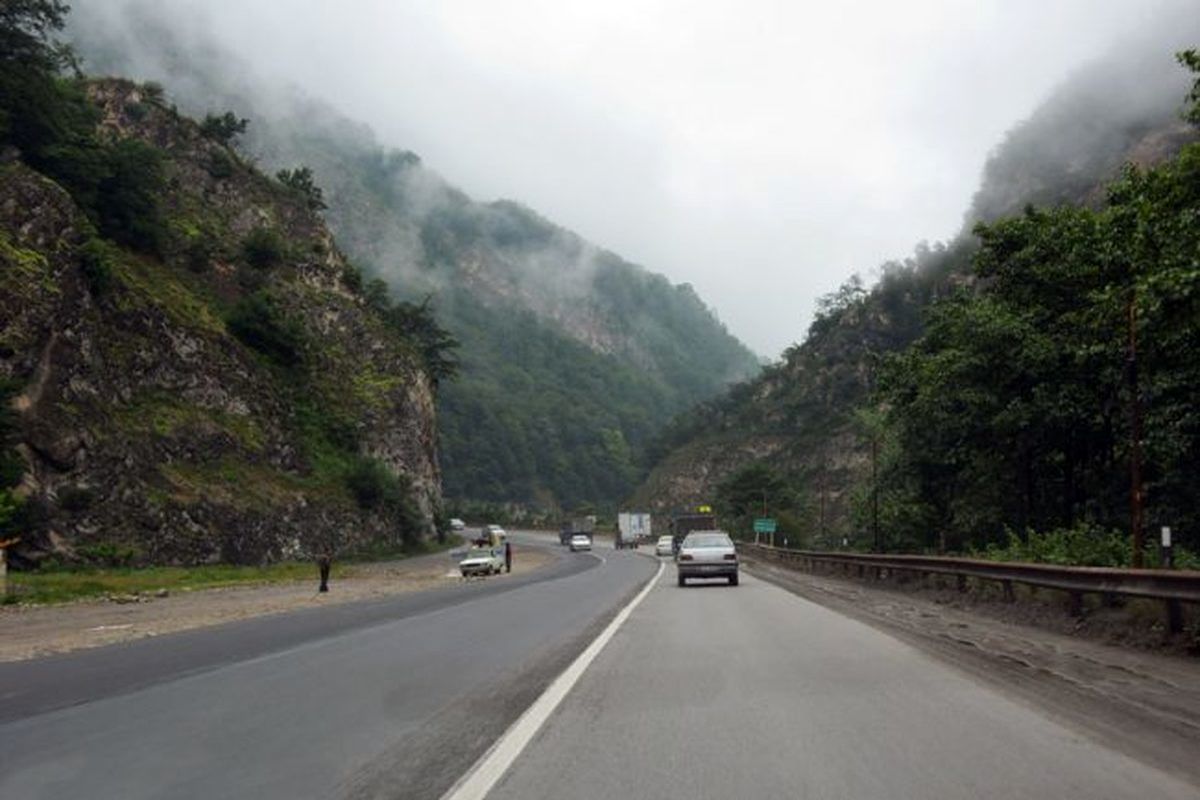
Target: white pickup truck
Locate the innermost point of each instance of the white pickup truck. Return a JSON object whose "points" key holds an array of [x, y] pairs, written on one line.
{"points": [[482, 561]]}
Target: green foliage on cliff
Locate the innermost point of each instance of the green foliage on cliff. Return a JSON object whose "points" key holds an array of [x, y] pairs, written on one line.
{"points": [[48, 118], [258, 321], [224, 128], [1014, 407]]}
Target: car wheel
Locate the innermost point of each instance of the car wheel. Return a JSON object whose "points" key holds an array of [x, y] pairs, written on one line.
{"points": [[733, 580], [682, 581]]}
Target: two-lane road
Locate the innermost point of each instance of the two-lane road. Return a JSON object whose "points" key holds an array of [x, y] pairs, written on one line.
{"points": [[393, 698]]}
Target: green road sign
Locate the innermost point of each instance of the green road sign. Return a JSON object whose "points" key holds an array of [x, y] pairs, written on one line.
{"points": [[765, 525]]}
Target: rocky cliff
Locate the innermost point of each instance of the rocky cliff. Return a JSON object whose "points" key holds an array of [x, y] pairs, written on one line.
{"points": [[229, 396]]}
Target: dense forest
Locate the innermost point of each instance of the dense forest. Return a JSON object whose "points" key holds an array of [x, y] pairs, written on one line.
{"points": [[981, 397], [1070, 360], [570, 357]]}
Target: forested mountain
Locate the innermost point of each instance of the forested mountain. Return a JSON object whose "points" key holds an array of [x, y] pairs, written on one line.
{"points": [[981, 386], [190, 370], [571, 358]]}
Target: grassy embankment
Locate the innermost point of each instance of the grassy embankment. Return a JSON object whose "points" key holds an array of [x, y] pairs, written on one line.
{"points": [[49, 586]]}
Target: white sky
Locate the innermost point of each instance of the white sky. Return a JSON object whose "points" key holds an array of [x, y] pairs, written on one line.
{"points": [[762, 151]]}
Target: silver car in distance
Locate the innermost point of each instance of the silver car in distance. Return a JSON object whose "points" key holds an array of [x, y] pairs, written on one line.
{"points": [[707, 554]]}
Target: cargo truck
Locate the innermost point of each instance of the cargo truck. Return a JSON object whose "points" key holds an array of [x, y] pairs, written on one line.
{"points": [[633, 528], [579, 525], [683, 524]]}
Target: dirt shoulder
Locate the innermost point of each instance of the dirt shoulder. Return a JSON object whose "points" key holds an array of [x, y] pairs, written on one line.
{"points": [[1146, 704], [34, 631]]}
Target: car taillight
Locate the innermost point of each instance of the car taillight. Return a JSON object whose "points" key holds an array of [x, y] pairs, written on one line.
{"points": [[685, 556], [731, 556]]}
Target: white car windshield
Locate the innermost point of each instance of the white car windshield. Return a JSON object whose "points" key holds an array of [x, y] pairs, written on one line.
{"points": [[708, 540]]}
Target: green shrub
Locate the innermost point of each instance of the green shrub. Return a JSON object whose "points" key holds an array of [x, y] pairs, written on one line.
{"points": [[220, 165], [76, 498], [108, 554], [198, 253], [377, 488], [352, 277], [1084, 545], [127, 208], [300, 181], [224, 128], [96, 260], [12, 466], [263, 248], [257, 321]]}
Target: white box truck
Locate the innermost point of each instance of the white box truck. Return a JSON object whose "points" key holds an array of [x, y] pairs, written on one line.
{"points": [[633, 528]]}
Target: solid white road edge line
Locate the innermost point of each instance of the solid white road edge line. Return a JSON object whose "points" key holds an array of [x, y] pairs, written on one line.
{"points": [[480, 779]]}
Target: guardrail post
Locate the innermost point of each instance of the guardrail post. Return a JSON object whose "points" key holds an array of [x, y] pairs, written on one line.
{"points": [[1075, 603], [1174, 616], [1008, 591], [962, 583]]}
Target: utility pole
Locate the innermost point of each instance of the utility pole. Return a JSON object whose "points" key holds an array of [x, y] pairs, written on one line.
{"points": [[875, 491], [821, 497], [1135, 433]]}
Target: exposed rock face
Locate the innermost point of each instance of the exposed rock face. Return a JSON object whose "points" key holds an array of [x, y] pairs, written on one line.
{"points": [[146, 425]]}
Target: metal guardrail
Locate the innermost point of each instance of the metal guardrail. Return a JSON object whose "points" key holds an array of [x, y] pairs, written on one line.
{"points": [[1172, 586]]}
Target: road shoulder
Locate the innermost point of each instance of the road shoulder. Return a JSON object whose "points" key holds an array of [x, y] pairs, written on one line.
{"points": [[36, 631]]}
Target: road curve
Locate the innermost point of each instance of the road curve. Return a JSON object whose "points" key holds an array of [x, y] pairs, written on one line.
{"points": [[379, 699], [718, 692]]}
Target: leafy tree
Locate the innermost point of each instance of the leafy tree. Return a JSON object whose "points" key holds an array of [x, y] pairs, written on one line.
{"points": [[128, 205], [1190, 60], [224, 128], [300, 180], [1013, 409], [418, 322], [263, 247]]}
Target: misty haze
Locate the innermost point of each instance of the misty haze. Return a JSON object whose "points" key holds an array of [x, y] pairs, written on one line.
{"points": [[631, 399]]}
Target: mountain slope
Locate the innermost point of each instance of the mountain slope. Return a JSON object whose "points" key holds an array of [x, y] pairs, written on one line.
{"points": [[571, 357], [193, 375]]}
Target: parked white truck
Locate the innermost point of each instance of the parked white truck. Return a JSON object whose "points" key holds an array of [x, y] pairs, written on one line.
{"points": [[633, 528]]}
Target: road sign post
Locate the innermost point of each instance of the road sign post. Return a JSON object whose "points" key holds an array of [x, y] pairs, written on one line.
{"points": [[764, 525]]}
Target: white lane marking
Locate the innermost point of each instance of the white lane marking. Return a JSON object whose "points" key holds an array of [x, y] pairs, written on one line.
{"points": [[480, 779]]}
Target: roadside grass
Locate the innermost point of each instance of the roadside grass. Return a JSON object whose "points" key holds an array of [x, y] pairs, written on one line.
{"points": [[64, 585], [50, 586]]}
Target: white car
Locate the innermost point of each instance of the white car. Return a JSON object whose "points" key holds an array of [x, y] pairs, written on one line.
{"points": [[495, 530], [457, 524], [707, 554], [665, 546], [580, 541], [482, 561]]}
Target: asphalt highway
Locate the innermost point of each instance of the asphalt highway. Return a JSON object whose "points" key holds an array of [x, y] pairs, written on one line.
{"points": [[711, 691], [707, 691], [391, 698]]}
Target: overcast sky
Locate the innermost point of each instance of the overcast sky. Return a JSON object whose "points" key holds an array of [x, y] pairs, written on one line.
{"points": [[761, 151]]}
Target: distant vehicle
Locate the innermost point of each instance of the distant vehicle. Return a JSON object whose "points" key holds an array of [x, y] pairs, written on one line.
{"points": [[482, 561], [665, 546], [584, 525], [494, 530], [580, 541], [683, 524], [457, 524], [707, 554], [632, 528]]}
